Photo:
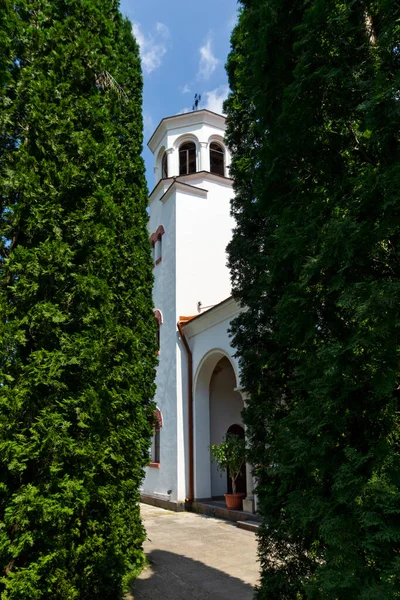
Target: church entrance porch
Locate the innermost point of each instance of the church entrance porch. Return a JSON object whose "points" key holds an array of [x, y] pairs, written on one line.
{"points": [[226, 406], [217, 411]]}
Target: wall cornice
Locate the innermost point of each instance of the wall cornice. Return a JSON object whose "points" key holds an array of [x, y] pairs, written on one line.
{"points": [[224, 311], [196, 117]]}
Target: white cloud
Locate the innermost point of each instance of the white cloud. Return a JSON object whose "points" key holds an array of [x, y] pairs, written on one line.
{"points": [[214, 99], [185, 89], [162, 30], [208, 62], [152, 46], [211, 100]]}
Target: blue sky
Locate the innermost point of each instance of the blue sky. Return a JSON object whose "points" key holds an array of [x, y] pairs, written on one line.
{"points": [[184, 46]]}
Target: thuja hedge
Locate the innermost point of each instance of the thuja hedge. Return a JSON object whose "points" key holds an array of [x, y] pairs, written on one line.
{"points": [[313, 124], [77, 333]]}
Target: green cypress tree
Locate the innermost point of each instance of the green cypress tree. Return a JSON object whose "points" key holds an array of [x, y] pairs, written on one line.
{"points": [[78, 349], [313, 122]]}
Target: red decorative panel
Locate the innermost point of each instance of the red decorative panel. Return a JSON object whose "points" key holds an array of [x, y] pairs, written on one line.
{"points": [[158, 316], [159, 418], [157, 234]]}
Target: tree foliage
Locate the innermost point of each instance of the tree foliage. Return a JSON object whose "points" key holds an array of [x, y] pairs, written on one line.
{"points": [[313, 123], [78, 350], [230, 456]]}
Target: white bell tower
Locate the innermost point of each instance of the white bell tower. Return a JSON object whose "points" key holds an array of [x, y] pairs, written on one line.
{"points": [[191, 202], [190, 226]]}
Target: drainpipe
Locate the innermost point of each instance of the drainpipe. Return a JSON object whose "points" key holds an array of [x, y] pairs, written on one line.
{"points": [[190, 411]]}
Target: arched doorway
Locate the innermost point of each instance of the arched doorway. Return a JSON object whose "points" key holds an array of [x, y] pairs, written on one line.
{"points": [[226, 407], [241, 479], [216, 407]]}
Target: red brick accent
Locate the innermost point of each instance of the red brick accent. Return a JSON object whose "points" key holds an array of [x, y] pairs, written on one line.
{"points": [[158, 316], [159, 418], [160, 231], [157, 234], [154, 465]]}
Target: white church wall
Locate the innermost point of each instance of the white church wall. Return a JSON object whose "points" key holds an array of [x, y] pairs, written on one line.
{"points": [[182, 423], [210, 332], [159, 481], [204, 228]]}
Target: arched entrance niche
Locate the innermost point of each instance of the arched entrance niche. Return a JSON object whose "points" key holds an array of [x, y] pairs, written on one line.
{"points": [[226, 407], [216, 408]]}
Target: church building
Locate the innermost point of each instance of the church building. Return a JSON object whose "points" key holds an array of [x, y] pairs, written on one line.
{"points": [[199, 397]]}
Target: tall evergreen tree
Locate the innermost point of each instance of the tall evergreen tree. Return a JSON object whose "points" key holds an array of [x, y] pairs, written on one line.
{"points": [[314, 122], [78, 349]]}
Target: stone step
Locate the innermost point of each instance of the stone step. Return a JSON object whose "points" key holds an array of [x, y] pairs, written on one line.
{"points": [[218, 510], [248, 525]]}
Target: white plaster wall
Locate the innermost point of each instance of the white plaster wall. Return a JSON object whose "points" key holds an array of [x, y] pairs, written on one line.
{"points": [[182, 421], [160, 481], [214, 338], [204, 228], [226, 407]]}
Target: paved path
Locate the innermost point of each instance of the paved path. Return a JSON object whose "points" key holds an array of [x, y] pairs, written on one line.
{"points": [[193, 557]]}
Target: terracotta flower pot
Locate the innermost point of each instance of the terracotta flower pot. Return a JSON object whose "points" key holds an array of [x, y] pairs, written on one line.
{"points": [[234, 501]]}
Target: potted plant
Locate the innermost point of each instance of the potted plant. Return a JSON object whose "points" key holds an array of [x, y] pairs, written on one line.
{"points": [[230, 455]]}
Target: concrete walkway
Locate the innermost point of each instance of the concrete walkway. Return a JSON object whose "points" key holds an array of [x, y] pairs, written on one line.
{"points": [[193, 557]]}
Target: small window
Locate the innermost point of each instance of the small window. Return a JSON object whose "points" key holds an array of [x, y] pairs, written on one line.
{"points": [[158, 317], [217, 159], [187, 158], [155, 446], [158, 337], [159, 249], [156, 454], [156, 243], [164, 166]]}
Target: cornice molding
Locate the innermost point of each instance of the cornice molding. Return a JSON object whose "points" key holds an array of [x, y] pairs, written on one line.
{"points": [[183, 187], [185, 119], [224, 311]]}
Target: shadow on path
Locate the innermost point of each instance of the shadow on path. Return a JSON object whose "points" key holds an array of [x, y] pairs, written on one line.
{"points": [[174, 577]]}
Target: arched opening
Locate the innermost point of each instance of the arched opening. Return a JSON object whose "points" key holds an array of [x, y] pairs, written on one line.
{"points": [[159, 164], [158, 317], [156, 244], [187, 158], [158, 248], [226, 407], [164, 166], [214, 374], [155, 445], [217, 161]]}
